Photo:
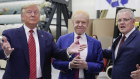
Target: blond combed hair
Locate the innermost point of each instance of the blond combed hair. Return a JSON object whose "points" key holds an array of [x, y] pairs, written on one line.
{"points": [[28, 5], [80, 12]]}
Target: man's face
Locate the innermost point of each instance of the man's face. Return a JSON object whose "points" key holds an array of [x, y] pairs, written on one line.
{"points": [[80, 23], [31, 16], [125, 22]]}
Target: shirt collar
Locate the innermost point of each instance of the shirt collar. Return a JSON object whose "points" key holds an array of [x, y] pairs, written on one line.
{"points": [[127, 35], [82, 36], [28, 29]]}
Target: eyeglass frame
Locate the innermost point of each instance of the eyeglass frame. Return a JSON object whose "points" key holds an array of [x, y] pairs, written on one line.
{"points": [[124, 20]]}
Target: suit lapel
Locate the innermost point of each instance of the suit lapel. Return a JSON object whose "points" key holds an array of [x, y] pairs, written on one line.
{"points": [[130, 38], [22, 37], [41, 45], [71, 40], [126, 42], [115, 45], [90, 46]]}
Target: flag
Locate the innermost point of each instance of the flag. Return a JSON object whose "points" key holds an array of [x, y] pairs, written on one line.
{"points": [[124, 2], [110, 4], [115, 3], [109, 1]]}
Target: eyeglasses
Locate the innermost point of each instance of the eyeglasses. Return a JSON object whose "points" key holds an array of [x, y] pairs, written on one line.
{"points": [[31, 12], [124, 20]]}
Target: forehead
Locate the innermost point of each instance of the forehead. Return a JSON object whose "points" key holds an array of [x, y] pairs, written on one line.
{"points": [[32, 7], [123, 15], [81, 17]]}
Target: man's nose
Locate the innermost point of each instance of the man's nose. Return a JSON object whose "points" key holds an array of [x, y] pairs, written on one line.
{"points": [[32, 13], [80, 24], [122, 21]]}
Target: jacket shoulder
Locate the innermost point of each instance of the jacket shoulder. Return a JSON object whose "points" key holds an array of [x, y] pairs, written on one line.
{"points": [[67, 36]]}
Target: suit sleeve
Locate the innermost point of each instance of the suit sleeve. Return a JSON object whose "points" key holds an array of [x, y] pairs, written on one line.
{"points": [[96, 66], [107, 54], [59, 64], [57, 52], [2, 55]]}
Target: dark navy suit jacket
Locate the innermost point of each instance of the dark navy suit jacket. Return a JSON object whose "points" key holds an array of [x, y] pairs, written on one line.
{"points": [[18, 63], [128, 57], [1, 54], [94, 58]]}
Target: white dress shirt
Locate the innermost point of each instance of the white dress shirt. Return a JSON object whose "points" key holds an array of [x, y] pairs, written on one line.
{"points": [[35, 35], [83, 54]]}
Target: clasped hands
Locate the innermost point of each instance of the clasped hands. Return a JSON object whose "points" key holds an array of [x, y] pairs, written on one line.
{"points": [[78, 63]]}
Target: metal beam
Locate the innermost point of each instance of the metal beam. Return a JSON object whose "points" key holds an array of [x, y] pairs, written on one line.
{"points": [[58, 28], [49, 18], [60, 1]]}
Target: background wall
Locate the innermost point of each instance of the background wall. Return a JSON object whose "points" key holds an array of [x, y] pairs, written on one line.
{"points": [[87, 5], [90, 7], [103, 28]]}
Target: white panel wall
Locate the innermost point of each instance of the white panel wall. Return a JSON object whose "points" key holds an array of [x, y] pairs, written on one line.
{"points": [[112, 12], [137, 12], [89, 6]]}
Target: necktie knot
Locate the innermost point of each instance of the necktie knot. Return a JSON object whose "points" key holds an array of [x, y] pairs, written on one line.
{"points": [[78, 37], [123, 38], [31, 31]]}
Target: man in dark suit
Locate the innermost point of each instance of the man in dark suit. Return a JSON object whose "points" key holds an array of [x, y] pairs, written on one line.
{"points": [[90, 60], [125, 50], [29, 50]]}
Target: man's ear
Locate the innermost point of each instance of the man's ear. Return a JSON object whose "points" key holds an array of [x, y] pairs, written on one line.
{"points": [[22, 17], [134, 20]]}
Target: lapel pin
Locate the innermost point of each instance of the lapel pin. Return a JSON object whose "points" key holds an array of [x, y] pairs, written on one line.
{"points": [[41, 35]]}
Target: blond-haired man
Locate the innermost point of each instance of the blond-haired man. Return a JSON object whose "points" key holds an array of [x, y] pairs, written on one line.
{"points": [[89, 62]]}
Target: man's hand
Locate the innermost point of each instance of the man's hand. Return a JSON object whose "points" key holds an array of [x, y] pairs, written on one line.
{"points": [[78, 63], [6, 46], [136, 74], [76, 48], [73, 63]]}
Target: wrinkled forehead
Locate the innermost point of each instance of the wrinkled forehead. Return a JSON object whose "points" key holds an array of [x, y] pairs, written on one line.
{"points": [[29, 6], [81, 17], [123, 15]]}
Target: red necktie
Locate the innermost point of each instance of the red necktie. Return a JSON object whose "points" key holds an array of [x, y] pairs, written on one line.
{"points": [[32, 55], [122, 41], [77, 70]]}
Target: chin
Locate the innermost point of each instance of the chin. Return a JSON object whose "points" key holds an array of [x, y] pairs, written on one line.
{"points": [[80, 33], [123, 32], [33, 23]]}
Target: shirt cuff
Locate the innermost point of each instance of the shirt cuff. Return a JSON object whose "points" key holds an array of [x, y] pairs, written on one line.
{"points": [[69, 55], [7, 56], [69, 66]]}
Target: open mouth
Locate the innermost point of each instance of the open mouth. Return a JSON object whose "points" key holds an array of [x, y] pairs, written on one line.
{"points": [[122, 27]]}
